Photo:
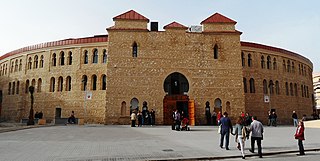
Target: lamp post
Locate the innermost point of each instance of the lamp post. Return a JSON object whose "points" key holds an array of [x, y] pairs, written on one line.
{"points": [[31, 120]]}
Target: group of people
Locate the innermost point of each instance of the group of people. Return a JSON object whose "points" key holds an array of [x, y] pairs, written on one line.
{"points": [[180, 121], [38, 115], [272, 117], [145, 117], [243, 130]]}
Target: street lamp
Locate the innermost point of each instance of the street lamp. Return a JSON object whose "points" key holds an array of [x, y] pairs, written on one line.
{"points": [[31, 120]]}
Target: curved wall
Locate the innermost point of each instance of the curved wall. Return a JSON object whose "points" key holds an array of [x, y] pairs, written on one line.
{"points": [[104, 68]]}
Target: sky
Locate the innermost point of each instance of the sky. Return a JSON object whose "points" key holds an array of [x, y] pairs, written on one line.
{"points": [[293, 25]]}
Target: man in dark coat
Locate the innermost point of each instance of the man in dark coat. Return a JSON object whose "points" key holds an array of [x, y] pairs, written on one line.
{"points": [[226, 126]]}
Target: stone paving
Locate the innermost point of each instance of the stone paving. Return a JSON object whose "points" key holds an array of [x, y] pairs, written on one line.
{"points": [[104, 143]]}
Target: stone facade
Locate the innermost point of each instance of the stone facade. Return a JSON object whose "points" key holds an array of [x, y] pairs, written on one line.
{"points": [[143, 65]]}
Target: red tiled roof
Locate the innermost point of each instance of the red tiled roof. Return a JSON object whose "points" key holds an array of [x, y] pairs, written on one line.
{"points": [[218, 18], [175, 25], [131, 15], [94, 39], [275, 49]]}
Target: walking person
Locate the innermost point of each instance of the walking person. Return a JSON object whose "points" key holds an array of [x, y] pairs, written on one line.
{"points": [[153, 117], [299, 135], [214, 117], [295, 118], [256, 129], [226, 126], [133, 118], [240, 133], [139, 116]]}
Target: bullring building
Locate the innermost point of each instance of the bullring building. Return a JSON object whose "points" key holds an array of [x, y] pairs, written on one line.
{"points": [[102, 78]]}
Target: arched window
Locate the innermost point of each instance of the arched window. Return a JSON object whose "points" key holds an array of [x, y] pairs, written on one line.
{"points": [[268, 62], [291, 89], [35, 62], [85, 57], [287, 89], [274, 64], [302, 91], [18, 86], [252, 87], [103, 82], [134, 50], [69, 58], [249, 60], [9, 88], [39, 85], [243, 59], [215, 52], [304, 70], [30, 63], [41, 62], [33, 83], [61, 58], [54, 59], [292, 66], [288, 66], [295, 89], [307, 92], [123, 108], [299, 69], [105, 56], [52, 84], [262, 62], [12, 67], [134, 104], [245, 85], [277, 88], [60, 84], [95, 56], [265, 87], [84, 82], [68, 83], [271, 87], [284, 66], [13, 87], [94, 82], [27, 86], [217, 103], [16, 66], [20, 65]]}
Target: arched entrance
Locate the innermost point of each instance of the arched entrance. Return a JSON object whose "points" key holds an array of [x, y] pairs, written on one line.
{"points": [[176, 87]]}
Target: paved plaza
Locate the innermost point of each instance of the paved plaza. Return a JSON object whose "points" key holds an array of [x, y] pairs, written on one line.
{"points": [[121, 142]]}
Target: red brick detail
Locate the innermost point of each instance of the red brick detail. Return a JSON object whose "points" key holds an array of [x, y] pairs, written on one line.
{"points": [[175, 25], [98, 38], [218, 18], [131, 15], [275, 49]]}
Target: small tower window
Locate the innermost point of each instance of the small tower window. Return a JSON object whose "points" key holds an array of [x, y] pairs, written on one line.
{"points": [[134, 50], [215, 52]]}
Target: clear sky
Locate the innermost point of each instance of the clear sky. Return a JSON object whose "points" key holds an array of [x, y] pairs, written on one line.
{"points": [[293, 25]]}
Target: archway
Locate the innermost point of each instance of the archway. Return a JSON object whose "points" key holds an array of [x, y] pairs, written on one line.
{"points": [[176, 87]]}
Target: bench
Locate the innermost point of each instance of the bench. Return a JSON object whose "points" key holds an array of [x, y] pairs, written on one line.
{"points": [[63, 121]]}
